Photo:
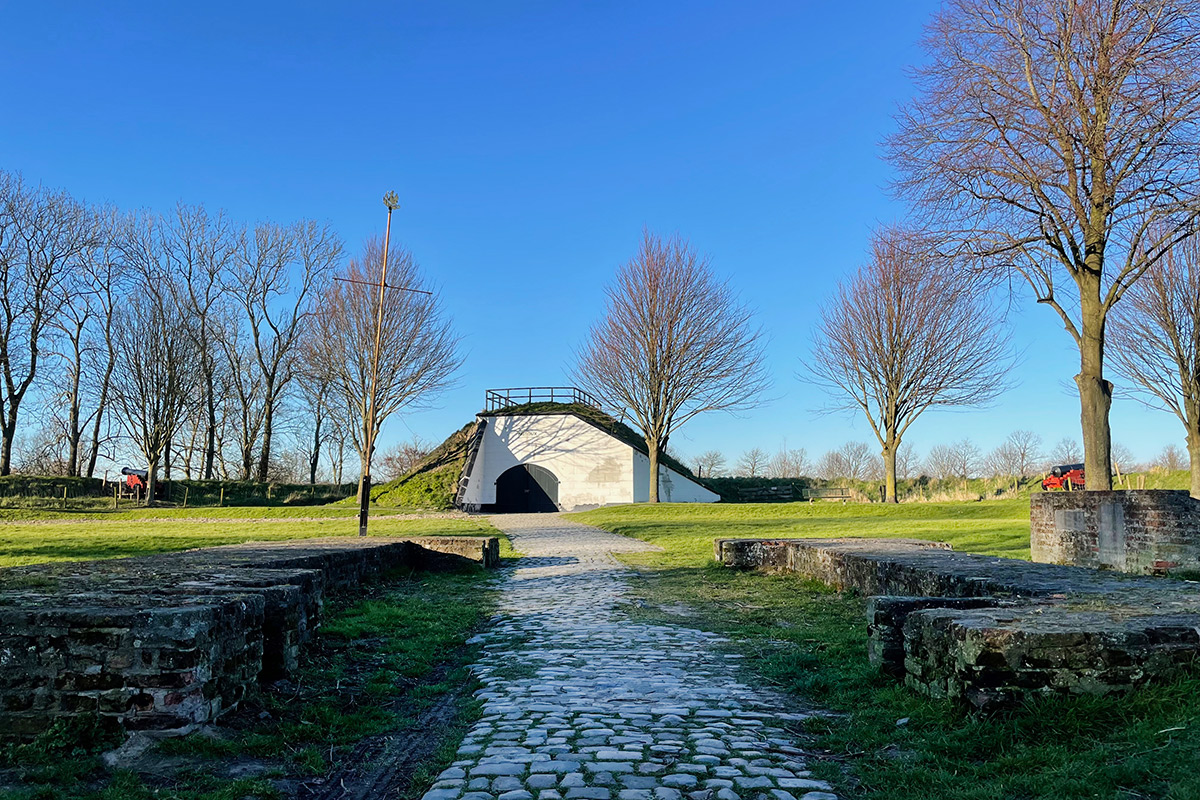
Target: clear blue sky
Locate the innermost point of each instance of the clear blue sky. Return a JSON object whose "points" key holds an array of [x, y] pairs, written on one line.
{"points": [[530, 142]]}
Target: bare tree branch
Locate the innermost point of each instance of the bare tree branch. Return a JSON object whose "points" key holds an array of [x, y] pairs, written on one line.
{"points": [[905, 334], [1060, 137], [673, 343]]}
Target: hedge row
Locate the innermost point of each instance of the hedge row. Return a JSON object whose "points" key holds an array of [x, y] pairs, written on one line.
{"points": [[198, 493]]}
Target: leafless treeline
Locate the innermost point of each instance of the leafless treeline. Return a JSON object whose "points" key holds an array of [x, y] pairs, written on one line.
{"points": [[173, 341], [1021, 456]]}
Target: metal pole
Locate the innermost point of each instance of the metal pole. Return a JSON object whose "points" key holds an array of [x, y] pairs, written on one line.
{"points": [[392, 202]]}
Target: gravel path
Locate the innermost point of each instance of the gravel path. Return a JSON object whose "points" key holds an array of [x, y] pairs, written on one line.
{"points": [[582, 703]]}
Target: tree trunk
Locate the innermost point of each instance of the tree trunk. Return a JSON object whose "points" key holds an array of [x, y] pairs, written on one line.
{"points": [[1095, 393], [653, 453], [73, 432], [889, 473], [1193, 445], [247, 459], [314, 458], [8, 430], [101, 408], [264, 460], [151, 481], [210, 435]]}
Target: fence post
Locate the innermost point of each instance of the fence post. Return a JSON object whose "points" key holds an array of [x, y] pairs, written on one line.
{"points": [[64, 497], [116, 494], [185, 494], [221, 502]]}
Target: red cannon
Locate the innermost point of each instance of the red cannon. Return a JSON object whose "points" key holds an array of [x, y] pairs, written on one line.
{"points": [[134, 478], [1064, 476]]}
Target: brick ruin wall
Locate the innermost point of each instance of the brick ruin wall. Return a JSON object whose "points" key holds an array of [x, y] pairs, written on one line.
{"points": [[1139, 531], [991, 630], [173, 641]]}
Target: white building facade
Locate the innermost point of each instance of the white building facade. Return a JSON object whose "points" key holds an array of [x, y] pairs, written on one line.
{"points": [[561, 461]]}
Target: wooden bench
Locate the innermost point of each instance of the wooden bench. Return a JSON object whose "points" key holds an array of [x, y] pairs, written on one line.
{"points": [[767, 494], [829, 493]]}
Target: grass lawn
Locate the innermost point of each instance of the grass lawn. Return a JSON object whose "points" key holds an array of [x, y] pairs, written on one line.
{"points": [[103, 512], [74, 540], [687, 530], [885, 742]]}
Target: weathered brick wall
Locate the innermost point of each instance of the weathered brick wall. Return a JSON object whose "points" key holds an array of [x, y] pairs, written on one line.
{"points": [[172, 641], [147, 662], [1139, 531]]}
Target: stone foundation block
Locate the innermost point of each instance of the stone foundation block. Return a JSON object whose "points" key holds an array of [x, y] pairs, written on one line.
{"points": [[172, 641]]}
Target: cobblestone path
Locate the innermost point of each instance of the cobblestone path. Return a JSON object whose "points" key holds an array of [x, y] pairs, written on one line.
{"points": [[582, 703]]}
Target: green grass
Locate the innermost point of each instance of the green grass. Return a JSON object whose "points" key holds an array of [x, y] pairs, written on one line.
{"points": [[126, 513], [434, 482], [39, 542], [382, 660], [687, 530], [805, 639]]}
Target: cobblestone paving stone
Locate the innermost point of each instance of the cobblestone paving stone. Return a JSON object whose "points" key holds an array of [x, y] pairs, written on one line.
{"points": [[582, 703]]}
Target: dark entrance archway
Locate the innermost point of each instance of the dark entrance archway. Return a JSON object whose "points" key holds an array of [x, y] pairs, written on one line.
{"points": [[526, 488]]}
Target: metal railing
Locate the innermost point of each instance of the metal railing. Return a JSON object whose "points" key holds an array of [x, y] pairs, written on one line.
{"points": [[498, 399]]}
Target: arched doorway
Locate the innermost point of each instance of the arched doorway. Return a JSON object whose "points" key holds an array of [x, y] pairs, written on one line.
{"points": [[526, 488]]}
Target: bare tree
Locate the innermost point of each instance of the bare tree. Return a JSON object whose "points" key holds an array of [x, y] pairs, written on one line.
{"points": [[244, 388], [1018, 456], [941, 463], [854, 460], [277, 274], [968, 459], [788, 463], [674, 342], [1066, 451], [1002, 462], [905, 334], [1026, 448], [197, 251], [403, 457], [1123, 459], [831, 465], [41, 234], [418, 354], [1171, 459], [907, 461], [85, 346], [752, 463], [1060, 139], [316, 398], [158, 375], [1155, 336], [709, 464]]}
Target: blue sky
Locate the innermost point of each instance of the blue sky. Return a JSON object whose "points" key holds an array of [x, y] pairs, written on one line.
{"points": [[530, 143]]}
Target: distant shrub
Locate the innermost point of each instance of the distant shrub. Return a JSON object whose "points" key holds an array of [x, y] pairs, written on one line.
{"points": [[50, 486]]}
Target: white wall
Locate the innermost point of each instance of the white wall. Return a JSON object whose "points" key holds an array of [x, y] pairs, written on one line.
{"points": [[672, 487], [593, 468]]}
